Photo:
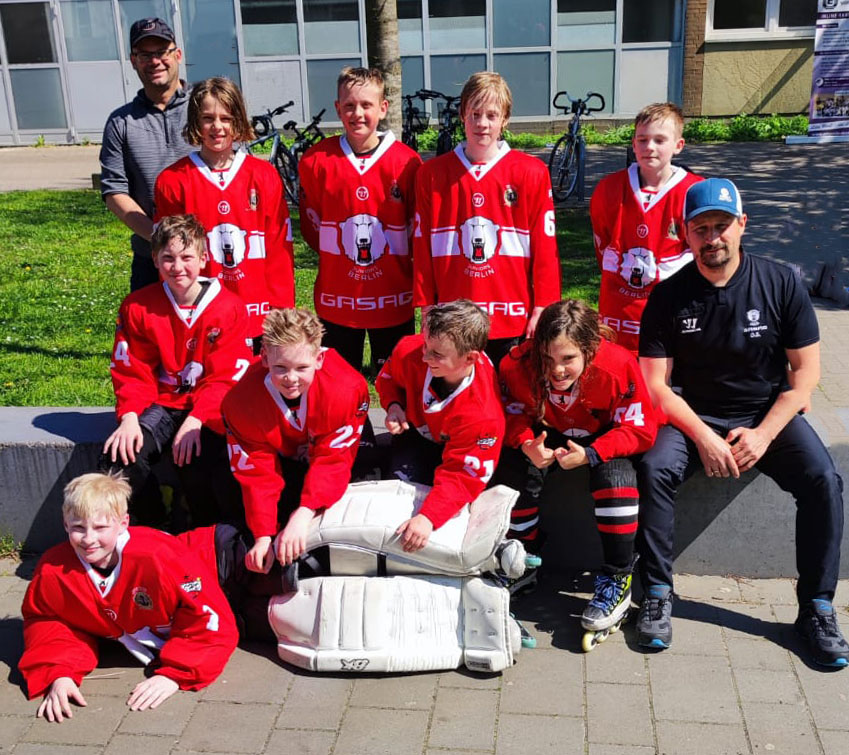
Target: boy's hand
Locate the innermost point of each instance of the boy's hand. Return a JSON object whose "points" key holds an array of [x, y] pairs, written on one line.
{"points": [[532, 322], [57, 700], [126, 441], [260, 557], [292, 542], [187, 441], [540, 456], [151, 692], [396, 419], [415, 533], [572, 456]]}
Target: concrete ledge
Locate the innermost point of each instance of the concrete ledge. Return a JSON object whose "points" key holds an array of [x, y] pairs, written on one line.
{"points": [[741, 527]]}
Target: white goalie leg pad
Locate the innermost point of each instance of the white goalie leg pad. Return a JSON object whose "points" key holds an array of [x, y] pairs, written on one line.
{"points": [[388, 624], [365, 519]]}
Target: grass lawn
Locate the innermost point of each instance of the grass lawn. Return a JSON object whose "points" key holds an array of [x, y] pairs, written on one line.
{"points": [[66, 268]]}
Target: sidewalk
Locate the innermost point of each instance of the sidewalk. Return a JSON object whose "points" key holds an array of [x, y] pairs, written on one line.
{"points": [[732, 682]]}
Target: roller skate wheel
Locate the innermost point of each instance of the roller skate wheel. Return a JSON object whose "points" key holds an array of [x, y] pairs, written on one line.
{"points": [[529, 642], [532, 561], [588, 642]]}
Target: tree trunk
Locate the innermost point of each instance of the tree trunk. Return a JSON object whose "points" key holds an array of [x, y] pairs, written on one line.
{"points": [[384, 53]]}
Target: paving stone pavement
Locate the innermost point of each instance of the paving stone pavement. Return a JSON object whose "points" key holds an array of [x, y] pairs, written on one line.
{"points": [[734, 681]]}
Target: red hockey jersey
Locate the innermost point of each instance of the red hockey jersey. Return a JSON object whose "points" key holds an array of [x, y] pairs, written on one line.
{"points": [[248, 230], [486, 233], [163, 355], [323, 430], [636, 246], [162, 601], [469, 424], [356, 212], [609, 399]]}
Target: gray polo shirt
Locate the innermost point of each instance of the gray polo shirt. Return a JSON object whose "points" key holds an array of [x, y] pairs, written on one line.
{"points": [[139, 140]]}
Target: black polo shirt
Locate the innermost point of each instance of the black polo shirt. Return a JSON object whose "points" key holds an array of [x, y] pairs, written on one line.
{"points": [[727, 343]]}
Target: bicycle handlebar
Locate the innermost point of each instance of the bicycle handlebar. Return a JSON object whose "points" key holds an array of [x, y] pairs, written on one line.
{"points": [[428, 94], [578, 105], [264, 124], [282, 108]]}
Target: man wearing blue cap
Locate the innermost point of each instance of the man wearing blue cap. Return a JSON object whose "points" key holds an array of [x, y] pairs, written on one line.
{"points": [[739, 337], [143, 137]]}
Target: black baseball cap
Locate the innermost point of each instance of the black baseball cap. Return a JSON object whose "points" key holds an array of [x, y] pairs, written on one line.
{"points": [[150, 27]]}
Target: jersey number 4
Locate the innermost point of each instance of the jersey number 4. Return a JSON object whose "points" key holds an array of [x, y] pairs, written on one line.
{"points": [[632, 413]]}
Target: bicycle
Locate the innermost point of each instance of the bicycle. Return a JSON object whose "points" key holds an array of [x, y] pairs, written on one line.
{"points": [[448, 116], [415, 122], [284, 158], [567, 160]]}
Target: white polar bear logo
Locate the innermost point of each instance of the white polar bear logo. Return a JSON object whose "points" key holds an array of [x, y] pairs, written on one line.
{"points": [[188, 377], [478, 239], [363, 239], [639, 268], [227, 244]]}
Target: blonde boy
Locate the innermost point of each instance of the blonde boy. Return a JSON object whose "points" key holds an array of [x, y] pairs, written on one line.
{"points": [[442, 405], [179, 346], [356, 206], [638, 221], [293, 427], [485, 222], [144, 588]]}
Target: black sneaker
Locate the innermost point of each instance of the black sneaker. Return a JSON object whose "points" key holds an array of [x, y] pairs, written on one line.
{"points": [[654, 622], [817, 623]]}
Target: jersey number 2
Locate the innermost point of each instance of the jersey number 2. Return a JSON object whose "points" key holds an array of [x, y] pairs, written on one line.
{"points": [[472, 465]]}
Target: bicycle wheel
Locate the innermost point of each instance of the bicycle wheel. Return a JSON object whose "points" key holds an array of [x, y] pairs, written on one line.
{"points": [[563, 168], [444, 143], [288, 173]]}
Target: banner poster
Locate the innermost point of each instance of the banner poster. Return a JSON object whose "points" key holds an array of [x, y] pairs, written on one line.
{"points": [[829, 110]]}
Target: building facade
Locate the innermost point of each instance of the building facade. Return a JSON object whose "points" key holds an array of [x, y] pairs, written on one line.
{"points": [[748, 56], [64, 64]]}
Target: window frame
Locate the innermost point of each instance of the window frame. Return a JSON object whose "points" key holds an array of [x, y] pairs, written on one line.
{"points": [[770, 31]]}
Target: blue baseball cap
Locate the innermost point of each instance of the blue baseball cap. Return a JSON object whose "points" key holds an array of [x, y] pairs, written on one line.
{"points": [[712, 194]]}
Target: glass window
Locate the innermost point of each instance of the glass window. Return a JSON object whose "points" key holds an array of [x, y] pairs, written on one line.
{"points": [[132, 10], [269, 27], [321, 80], [28, 33], [209, 39], [521, 23], [38, 98], [739, 14], [583, 72], [649, 21], [527, 75], [412, 75], [331, 26], [89, 30], [457, 24], [448, 73], [586, 22], [410, 25], [797, 13]]}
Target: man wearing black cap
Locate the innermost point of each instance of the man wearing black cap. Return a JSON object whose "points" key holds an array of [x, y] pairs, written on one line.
{"points": [[143, 137], [738, 335]]}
